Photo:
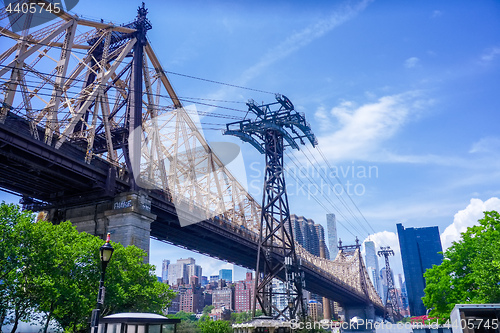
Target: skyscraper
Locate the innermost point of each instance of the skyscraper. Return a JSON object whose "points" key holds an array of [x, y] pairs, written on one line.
{"points": [[204, 281], [404, 296], [279, 297], [371, 261], [384, 283], [164, 270], [331, 225], [420, 249], [226, 274], [194, 270], [308, 234], [177, 274], [315, 310], [322, 242], [182, 270]]}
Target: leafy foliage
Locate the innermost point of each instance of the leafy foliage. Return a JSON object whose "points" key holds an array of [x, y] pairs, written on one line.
{"points": [[217, 326], [184, 316], [208, 308], [470, 272], [242, 317], [187, 327], [54, 269], [16, 294]]}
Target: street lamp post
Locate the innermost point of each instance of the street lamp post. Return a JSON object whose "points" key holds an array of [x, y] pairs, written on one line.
{"points": [[106, 252]]}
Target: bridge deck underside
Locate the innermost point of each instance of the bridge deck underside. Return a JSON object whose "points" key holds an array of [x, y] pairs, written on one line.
{"points": [[34, 169]]}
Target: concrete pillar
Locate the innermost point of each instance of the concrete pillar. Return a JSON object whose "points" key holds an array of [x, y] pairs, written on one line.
{"points": [[130, 220], [127, 218], [327, 312]]}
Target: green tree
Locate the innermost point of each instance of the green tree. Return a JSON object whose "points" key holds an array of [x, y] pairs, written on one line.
{"points": [[208, 308], [470, 272], [206, 312], [65, 273], [217, 326], [188, 322], [185, 316], [54, 269], [241, 317], [17, 294], [131, 284], [187, 327]]}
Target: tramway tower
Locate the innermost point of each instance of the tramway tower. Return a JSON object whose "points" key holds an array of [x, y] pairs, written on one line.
{"points": [[276, 126], [391, 303]]}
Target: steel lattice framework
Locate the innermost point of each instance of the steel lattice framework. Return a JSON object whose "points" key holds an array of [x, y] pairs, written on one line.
{"points": [[391, 303], [100, 87], [268, 133]]}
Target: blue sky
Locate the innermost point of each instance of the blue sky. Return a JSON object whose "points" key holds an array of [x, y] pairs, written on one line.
{"points": [[406, 88]]}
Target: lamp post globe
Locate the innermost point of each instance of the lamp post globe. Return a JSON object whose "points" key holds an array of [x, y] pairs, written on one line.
{"points": [[106, 252]]}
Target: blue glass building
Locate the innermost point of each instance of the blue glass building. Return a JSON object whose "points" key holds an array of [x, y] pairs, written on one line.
{"points": [[226, 274], [420, 249]]}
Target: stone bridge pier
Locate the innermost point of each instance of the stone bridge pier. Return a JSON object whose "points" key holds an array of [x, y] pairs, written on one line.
{"points": [[127, 218]]}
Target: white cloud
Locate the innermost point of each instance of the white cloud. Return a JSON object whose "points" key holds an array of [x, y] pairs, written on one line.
{"points": [[412, 62], [486, 145], [467, 218], [322, 117], [303, 37], [490, 54], [361, 129], [436, 13], [386, 156]]}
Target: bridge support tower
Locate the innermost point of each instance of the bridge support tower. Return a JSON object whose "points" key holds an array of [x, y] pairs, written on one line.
{"points": [[327, 313], [127, 217]]}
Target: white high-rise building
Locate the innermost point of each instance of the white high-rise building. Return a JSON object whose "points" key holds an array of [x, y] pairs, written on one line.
{"points": [[384, 283], [194, 270], [331, 224], [183, 269], [177, 272], [279, 298], [371, 262], [164, 270]]}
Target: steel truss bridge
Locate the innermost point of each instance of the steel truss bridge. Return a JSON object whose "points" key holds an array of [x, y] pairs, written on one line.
{"points": [[88, 112]]}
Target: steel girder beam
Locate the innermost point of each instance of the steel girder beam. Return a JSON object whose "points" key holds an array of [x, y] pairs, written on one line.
{"points": [[34, 169]]}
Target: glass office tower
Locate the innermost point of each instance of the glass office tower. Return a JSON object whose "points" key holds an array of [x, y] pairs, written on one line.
{"points": [[420, 249]]}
